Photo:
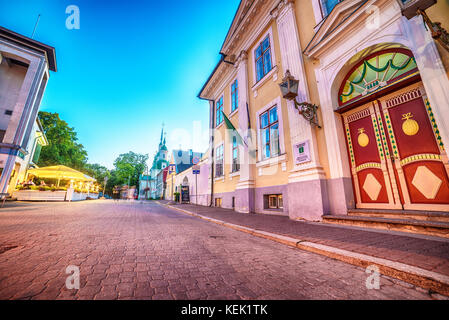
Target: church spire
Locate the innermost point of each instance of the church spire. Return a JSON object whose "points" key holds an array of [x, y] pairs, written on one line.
{"points": [[162, 132]]}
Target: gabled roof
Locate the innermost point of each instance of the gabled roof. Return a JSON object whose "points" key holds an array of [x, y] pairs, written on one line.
{"points": [[240, 14], [244, 17], [342, 14], [183, 159], [48, 51]]}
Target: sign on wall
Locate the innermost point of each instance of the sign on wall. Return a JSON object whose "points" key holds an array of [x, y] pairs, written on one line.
{"points": [[185, 194], [302, 152]]}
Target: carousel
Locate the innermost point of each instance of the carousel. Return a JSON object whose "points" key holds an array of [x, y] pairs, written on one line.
{"points": [[56, 183]]}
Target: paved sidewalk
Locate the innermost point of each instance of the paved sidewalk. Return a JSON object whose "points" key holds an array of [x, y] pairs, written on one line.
{"points": [[424, 252]]}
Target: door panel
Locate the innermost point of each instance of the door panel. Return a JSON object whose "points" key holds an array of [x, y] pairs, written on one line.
{"points": [[418, 154], [372, 180]]}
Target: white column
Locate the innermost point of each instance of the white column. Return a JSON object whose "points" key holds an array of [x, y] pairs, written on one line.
{"points": [[431, 69], [292, 60], [246, 175]]}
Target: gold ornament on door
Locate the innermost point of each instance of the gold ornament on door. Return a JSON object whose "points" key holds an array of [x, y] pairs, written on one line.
{"points": [[409, 126], [363, 138]]}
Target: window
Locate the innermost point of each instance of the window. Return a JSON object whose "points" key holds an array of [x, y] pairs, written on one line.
{"points": [[235, 155], [219, 161], [328, 5], [8, 112], [218, 112], [37, 153], [218, 202], [275, 201], [234, 96], [269, 127], [262, 56]]}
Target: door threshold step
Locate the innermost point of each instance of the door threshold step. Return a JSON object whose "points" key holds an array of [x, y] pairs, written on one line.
{"points": [[434, 228], [401, 214]]}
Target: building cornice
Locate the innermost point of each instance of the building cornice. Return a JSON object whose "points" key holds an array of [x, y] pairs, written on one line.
{"points": [[345, 16], [251, 19]]}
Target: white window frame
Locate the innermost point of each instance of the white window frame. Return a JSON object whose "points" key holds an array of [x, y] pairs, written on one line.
{"points": [[316, 4], [278, 103], [216, 126], [272, 53], [223, 160], [239, 157], [231, 113]]}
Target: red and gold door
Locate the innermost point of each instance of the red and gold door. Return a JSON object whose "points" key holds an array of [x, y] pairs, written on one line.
{"points": [[397, 157], [372, 175], [420, 161]]}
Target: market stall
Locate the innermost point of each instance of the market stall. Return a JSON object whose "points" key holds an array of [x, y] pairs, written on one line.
{"points": [[57, 183]]}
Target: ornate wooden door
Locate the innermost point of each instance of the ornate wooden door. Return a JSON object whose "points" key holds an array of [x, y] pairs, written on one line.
{"points": [[373, 178], [420, 161]]}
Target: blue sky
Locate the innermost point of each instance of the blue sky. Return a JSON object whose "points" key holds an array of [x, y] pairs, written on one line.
{"points": [[131, 66]]}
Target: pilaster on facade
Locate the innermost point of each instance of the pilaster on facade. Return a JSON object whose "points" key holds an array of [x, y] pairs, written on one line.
{"points": [[246, 158], [292, 60]]}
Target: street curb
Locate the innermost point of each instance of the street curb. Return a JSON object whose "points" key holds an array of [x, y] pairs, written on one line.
{"points": [[417, 276]]}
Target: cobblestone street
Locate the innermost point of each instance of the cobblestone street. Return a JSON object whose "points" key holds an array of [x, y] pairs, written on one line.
{"points": [[133, 250]]}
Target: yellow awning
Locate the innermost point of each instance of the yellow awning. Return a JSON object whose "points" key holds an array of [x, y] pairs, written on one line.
{"points": [[60, 172]]}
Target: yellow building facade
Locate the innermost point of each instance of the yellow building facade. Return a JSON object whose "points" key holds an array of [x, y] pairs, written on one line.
{"points": [[369, 69]]}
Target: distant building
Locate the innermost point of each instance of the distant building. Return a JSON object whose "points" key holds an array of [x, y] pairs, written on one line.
{"points": [[144, 187], [180, 174], [25, 66], [160, 162]]}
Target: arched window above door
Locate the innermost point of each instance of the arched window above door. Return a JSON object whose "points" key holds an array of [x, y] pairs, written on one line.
{"points": [[375, 73]]}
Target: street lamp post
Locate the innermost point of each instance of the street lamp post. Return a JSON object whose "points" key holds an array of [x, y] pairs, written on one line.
{"points": [[289, 89]]}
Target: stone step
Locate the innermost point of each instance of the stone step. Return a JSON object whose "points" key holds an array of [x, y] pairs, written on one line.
{"points": [[433, 228], [401, 214]]}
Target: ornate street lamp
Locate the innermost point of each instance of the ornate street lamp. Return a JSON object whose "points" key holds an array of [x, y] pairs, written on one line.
{"points": [[289, 90]]}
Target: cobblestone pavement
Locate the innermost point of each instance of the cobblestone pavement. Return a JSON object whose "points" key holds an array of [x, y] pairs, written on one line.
{"points": [[421, 251], [146, 251]]}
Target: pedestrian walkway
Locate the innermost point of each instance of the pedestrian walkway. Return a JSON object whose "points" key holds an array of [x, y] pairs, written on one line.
{"points": [[425, 252]]}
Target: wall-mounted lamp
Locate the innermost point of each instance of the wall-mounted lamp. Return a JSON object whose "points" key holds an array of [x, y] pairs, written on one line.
{"points": [[289, 90], [412, 8]]}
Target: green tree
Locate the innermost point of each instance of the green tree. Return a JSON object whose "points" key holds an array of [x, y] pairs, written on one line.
{"points": [[98, 172], [63, 148], [129, 166]]}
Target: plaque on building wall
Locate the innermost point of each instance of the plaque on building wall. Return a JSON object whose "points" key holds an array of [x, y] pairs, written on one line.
{"points": [[302, 152]]}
